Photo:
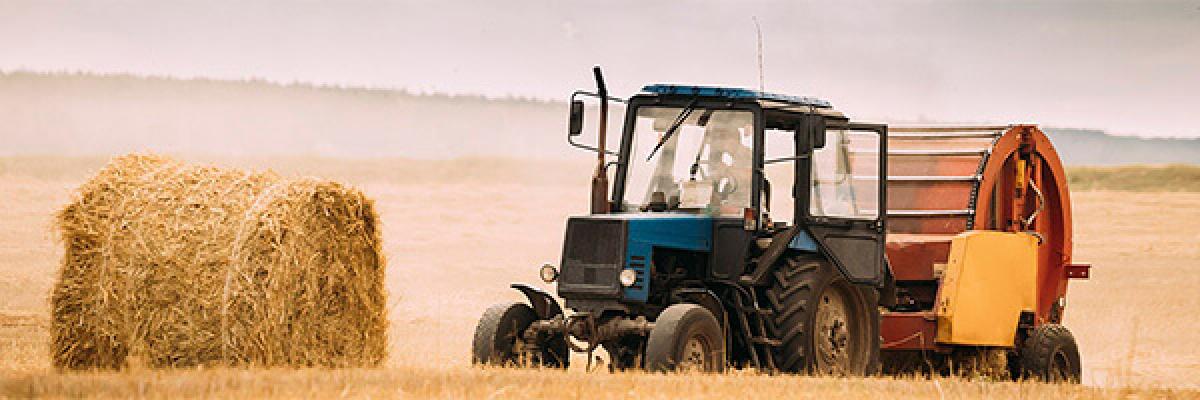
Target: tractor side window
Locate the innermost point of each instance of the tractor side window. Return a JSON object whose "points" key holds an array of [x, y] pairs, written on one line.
{"points": [[779, 154], [845, 175]]}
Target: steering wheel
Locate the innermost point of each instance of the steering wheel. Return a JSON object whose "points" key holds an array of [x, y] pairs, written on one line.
{"points": [[726, 185], [701, 173]]}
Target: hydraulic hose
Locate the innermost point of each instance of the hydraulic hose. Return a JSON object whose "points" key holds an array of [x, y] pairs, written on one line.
{"points": [[1041, 203]]}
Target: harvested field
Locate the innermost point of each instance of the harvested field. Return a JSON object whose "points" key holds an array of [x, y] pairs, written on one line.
{"points": [[178, 265], [1134, 318], [1137, 178], [478, 383]]}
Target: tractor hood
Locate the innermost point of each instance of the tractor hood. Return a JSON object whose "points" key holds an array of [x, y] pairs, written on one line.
{"points": [[673, 230], [598, 247]]}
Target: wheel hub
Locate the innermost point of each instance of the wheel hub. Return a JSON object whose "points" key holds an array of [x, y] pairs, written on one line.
{"points": [[832, 333], [513, 336], [695, 354]]}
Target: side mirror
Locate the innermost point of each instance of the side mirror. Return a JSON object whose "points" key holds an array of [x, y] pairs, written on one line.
{"points": [[575, 126], [579, 103]]}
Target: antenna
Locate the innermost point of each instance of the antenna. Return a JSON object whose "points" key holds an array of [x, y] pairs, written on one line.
{"points": [[762, 86]]}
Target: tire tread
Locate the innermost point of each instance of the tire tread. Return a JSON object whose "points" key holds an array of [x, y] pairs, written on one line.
{"points": [[1038, 350]]}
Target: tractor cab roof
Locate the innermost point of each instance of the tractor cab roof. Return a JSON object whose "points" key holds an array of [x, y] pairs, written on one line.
{"points": [[768, 101]]}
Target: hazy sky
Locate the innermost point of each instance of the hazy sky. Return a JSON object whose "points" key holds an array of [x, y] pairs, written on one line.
{"points": [[1127, 67]]}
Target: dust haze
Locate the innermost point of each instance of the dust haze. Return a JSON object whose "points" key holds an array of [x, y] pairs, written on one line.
{"points": [[1123, 67], [92, 115]]}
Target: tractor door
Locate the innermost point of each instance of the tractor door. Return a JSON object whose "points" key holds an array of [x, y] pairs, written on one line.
{"points": [[846, 194]]}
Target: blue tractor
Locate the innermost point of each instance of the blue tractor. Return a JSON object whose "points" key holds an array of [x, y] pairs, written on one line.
{"points": [[742, 229]]}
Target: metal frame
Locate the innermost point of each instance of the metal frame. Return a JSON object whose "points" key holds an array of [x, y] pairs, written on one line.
{"points": [[825, 229], [571, 139], [618, 195], [1047, 173], [882, 130]]}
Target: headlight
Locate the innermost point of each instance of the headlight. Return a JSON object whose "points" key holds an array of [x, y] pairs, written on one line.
{"points": [[628, 277], [549, 273]]}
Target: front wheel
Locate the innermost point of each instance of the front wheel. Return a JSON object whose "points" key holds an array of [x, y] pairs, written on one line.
{"points": [[1050, 354], [498, 339], [686, 337]]}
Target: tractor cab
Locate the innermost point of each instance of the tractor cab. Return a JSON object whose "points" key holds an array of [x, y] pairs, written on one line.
{"points": [[717, 169]]}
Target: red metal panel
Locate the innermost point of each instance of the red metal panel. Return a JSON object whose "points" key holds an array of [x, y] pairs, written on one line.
{"points": [[908, 331], [912, 256], [926, 172], [931, 225], [932, 165], [1079, 271], [919, 195]]}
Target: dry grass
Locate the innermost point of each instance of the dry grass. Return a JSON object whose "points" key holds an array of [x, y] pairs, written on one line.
{"points": [[1136, 178], [423, 382], [177, 265], [1134, 319]]}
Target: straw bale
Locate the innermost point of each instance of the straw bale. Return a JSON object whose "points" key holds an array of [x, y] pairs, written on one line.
{"points": [[171, 265]]}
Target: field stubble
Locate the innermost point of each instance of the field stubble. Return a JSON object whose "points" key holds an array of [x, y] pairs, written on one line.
{"points": [[454, 245]]}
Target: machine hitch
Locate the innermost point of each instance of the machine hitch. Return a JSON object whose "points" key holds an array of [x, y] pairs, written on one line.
{"points": [[584, 328]]}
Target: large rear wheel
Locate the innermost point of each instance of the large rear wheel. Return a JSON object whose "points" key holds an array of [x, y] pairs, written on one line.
{"points": [[826, 324], [686, 337]]}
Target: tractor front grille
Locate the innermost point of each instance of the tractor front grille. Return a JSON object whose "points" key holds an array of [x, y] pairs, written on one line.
{"points": [[592, 254]]}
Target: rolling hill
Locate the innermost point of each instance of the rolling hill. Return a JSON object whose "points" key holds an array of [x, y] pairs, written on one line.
{"points": [[84, 114]]}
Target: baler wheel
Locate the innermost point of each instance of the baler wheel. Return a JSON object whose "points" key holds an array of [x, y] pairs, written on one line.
{"points": [[826, 325], [686, 337], [1050, 354], [498, 339]]}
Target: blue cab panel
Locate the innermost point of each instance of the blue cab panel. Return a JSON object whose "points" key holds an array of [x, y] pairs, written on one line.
{"points": [[734, 93], [803, 242]]}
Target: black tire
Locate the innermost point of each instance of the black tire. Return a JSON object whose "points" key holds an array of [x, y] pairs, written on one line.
{"points": [[686, 337], [805, 289], [498, 339], [1050, 354]]}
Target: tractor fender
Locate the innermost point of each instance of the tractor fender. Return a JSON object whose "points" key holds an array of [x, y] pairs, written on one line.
{"points": [[707, 299], [790, 240], [543, 303]]}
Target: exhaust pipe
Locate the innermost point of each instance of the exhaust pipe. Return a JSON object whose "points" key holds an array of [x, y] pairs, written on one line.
{"points": [[600, 178]]}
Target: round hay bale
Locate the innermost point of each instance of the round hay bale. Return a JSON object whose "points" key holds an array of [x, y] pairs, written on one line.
{"points": [[177, 265]]}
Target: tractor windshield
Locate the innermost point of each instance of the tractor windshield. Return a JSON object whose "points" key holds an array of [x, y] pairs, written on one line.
{"points": [[704, 166]]}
